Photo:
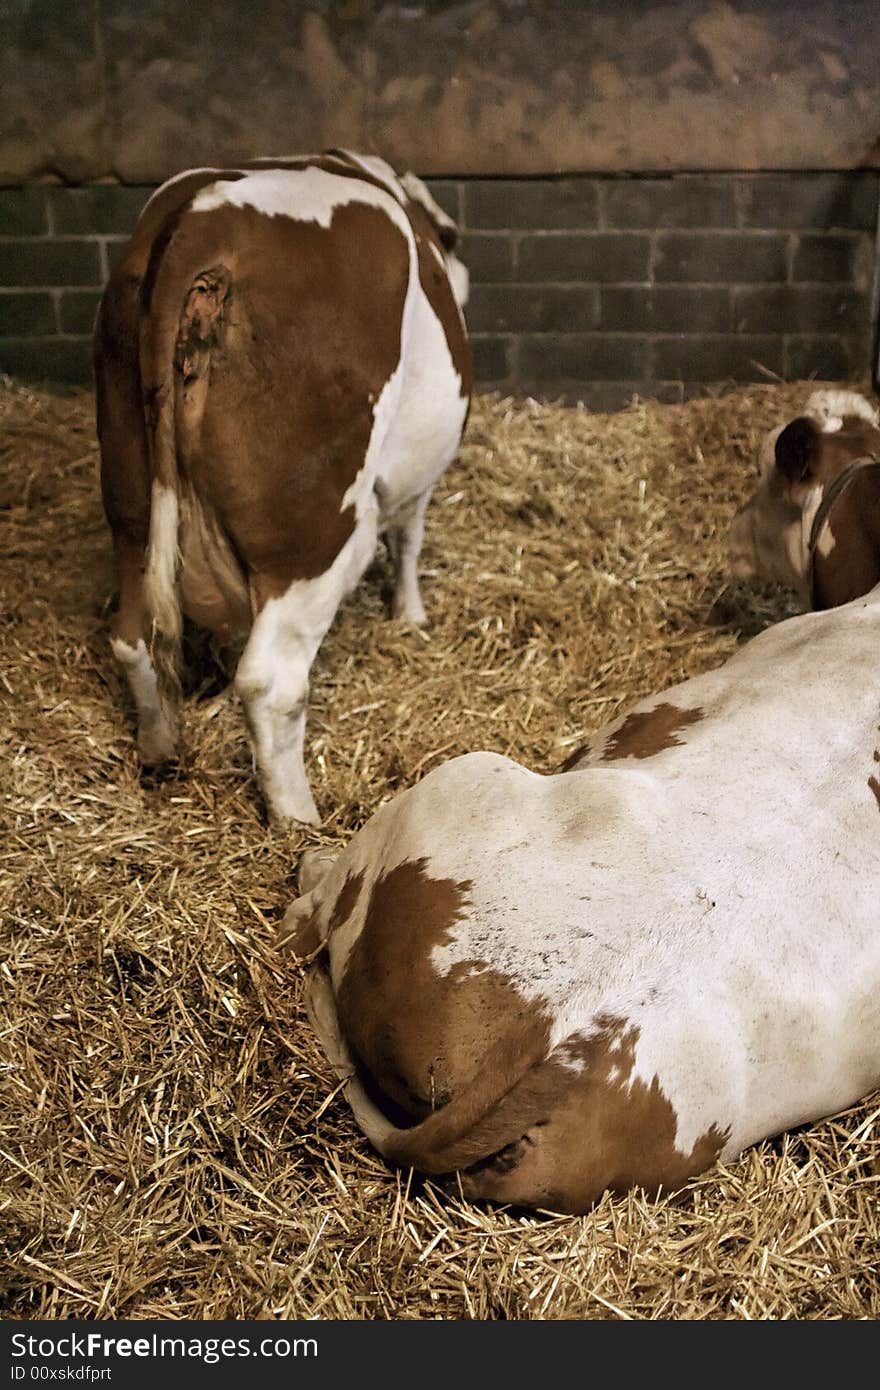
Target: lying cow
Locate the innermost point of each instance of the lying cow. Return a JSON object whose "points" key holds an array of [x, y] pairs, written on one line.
{"points": [[814, 523], [283, 373], [613, 976]]}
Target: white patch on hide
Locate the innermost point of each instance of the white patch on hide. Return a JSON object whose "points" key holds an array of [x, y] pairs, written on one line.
{"points": [[304, 195]]}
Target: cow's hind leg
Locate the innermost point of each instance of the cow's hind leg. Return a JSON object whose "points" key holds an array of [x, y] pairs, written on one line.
{"points": [[273, 676], [405, 533], [157, 725]]}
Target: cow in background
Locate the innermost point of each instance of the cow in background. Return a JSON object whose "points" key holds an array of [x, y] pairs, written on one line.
{"points": [[283, 373], [814, 522]]}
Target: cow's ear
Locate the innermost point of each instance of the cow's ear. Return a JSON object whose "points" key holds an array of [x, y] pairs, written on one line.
{"points": [[797, 448]]}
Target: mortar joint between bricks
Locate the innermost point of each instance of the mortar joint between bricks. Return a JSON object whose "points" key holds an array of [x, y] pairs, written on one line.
{"points": [[459, 203], [790, 252], [649, 373], [652, 257], [730, 291], [513, 358], [55, 296], [739, 203]]}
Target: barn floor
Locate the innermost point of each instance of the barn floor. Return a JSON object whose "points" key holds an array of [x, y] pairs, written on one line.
{"points": [[172, 1144]]}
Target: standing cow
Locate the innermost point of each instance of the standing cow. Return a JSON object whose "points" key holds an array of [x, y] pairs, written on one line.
{"points": [[283, 373]]}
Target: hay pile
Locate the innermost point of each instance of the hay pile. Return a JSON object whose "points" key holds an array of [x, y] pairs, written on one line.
{"points": [[170, 1142]]}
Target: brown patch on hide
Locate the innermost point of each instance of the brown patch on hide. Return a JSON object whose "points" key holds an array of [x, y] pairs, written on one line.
{"points": [[582, 1132], [162, 213], [311, 337], [345, 902], [642, 735], [874, 784], [422, 1036]]}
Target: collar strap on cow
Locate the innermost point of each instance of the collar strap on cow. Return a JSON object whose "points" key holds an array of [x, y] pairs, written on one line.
{"points": [[830, 497]]}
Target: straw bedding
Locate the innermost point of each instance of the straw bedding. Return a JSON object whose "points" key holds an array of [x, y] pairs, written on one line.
{"points": [[171, 1143]]}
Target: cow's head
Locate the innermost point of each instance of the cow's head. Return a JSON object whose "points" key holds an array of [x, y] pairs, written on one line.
{"points": [[770, 537], [446, 232]]}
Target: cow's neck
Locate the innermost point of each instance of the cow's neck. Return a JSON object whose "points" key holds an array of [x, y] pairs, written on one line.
{"points": [[852, 566]]}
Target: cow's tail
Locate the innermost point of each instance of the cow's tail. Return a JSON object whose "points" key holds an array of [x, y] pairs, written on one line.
{"points": [[499, 1106], [158, 340], [185, 293], [160, 581]]}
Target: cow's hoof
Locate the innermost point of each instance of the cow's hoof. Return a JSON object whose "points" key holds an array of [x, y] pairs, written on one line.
{"points": [[283, 820], [314, 864], [157, 774], [157, 743], [299, 932], [409, 613]]}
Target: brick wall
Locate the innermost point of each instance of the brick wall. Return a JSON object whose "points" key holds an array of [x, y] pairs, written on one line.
{"points": [[598, 288], [588, 288], [57, 246]]}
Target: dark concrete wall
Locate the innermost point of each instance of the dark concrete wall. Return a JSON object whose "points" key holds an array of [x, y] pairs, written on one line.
{"points": [[590, 288], [137, 89]]}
